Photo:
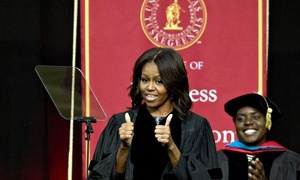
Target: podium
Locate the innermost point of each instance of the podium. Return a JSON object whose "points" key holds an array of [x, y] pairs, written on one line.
{"points": [[71, 95]]}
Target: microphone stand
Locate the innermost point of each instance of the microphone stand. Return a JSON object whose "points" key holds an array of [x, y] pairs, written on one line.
{"points": [[88, 131]]}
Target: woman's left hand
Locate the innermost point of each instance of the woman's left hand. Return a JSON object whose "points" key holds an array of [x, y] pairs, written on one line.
{"points": [[163, 132]]}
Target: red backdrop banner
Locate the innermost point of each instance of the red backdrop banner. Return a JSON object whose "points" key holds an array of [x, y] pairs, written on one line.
{"points": [[223, 44]]}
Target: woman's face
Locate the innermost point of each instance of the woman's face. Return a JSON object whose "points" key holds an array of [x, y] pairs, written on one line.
{"points": [[153, 91], [250, 126]]}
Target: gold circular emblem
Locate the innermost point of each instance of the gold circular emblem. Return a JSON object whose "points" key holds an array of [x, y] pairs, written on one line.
{"points": [[173, 24]]}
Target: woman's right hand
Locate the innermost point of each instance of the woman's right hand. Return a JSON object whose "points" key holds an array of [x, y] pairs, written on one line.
{"points": [[126, 132], [256, 170]]}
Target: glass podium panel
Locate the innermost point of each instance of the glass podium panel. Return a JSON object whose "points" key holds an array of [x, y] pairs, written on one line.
{"points": [[70, 92]]}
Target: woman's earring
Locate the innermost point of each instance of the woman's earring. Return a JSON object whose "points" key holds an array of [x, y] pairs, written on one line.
{"points": [[172, 96]]}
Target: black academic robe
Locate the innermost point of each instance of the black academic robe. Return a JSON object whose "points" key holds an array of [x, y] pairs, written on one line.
{"points": [[278, 165], [198, 158]]}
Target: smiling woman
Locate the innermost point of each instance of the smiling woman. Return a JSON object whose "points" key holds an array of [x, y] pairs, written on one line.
{"points": [[250, 125], [158, 137], [153, 91], [254, 155]]}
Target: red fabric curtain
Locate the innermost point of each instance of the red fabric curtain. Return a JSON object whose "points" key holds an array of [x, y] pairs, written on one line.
{"points": [[223, 44]]}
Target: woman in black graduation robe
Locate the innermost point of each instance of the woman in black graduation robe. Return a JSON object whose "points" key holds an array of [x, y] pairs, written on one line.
{"points": [[159, 137], [254, 155], [198, 152], [279, 163]]}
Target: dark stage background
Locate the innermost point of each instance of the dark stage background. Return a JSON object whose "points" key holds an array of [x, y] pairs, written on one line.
{"points": [[33, 144]]}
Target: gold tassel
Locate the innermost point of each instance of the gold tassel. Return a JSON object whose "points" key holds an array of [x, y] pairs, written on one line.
{"points": [[268, 118], [268, 115]]}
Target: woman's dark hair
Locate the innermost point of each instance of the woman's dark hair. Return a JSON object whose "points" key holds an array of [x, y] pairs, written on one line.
{"points": [[173, 75]]}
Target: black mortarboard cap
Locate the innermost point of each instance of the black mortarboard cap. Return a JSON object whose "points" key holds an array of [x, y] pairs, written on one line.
{"points": [[255, 100]]}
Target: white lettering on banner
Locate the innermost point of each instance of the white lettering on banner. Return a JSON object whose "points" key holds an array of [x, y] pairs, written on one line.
{"points": [[225, 136], [196, 65], [203, 95]]}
